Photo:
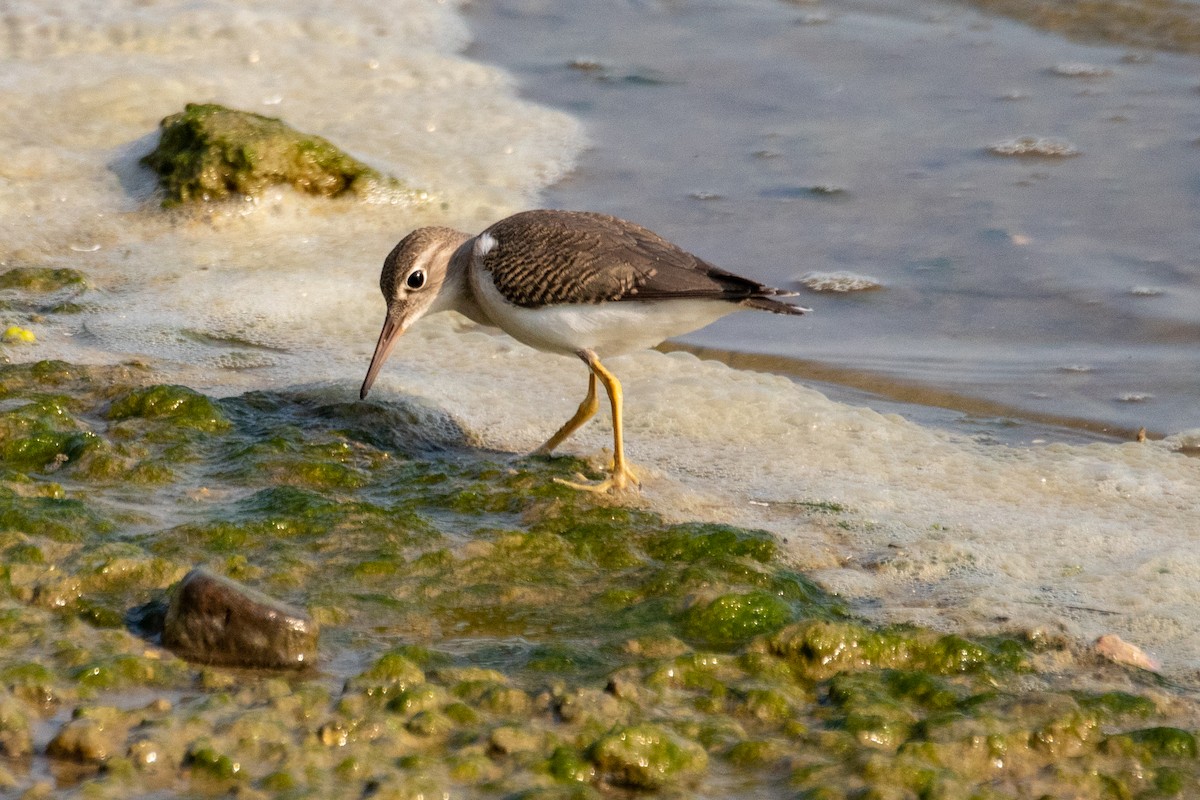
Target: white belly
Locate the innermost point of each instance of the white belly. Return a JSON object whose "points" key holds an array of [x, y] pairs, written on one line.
{"points": [[607, 329]]}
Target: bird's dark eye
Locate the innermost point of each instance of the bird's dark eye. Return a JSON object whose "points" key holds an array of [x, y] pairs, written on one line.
{"points": [[416, 279]]}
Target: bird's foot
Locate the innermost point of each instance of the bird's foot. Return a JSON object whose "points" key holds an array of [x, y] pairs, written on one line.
{"points": [[621, 478]]}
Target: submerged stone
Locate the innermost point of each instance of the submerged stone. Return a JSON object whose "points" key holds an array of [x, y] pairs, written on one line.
{"points": [[203, 757], [1162, 24], [210, 152], [215, 620]]}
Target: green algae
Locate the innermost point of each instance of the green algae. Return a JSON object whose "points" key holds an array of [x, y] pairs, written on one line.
{"points": [[41, 280], [646, 757], [735, 618], [1149, 743], [183, 407], [210, 152], [61, 519], [822, 648], [486, 631]]}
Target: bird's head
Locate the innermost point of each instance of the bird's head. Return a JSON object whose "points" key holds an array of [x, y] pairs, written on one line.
{"points": [[413, 275]]}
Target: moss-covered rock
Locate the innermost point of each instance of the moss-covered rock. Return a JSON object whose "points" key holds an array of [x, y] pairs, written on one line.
{"points": [[1149, 743], [736, 618], [181, 405], [210, 152], [392, 674], [41, 280], [823, 648], [94, 736], [647, 756]]}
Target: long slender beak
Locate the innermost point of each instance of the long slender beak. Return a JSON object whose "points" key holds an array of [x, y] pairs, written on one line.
{"points": [[387, 340]]}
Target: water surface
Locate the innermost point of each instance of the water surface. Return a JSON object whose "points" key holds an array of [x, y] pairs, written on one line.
{"points": [[783, 139]]}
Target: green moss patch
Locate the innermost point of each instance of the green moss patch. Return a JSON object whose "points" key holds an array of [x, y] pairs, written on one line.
{"points": [[486, 631], [41, 280], [210, 152]]}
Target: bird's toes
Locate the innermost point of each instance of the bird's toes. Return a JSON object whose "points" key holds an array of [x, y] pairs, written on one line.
{"points": [[617, 482]]}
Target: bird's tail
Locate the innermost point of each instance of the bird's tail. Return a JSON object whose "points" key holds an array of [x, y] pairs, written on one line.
{"points": [[765, 303]]}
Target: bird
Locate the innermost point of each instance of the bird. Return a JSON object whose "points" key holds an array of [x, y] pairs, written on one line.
{"points": [[576, 283]]}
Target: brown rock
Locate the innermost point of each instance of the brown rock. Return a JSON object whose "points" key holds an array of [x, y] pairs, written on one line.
{"points": [[216, 620], [87, 741]]}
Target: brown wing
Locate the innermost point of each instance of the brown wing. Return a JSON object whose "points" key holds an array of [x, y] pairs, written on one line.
{"points": [[553, 257]]}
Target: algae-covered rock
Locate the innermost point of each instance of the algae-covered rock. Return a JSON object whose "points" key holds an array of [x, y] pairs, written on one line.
{"points": [[182, 406], [735, 618], [215, 620], [203, 757], [41, 279], [509, 739], [1155, 742], [210, 152], [822, 649], [16, 740], [391, 675], [94, 736], [647, 756], [429, 724]]}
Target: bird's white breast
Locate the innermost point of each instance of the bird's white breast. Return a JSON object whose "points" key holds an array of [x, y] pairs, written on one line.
{"points": [[607, 329]]}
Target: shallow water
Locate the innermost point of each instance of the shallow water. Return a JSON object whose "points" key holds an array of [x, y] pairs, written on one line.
{"points": [[782, 139]]}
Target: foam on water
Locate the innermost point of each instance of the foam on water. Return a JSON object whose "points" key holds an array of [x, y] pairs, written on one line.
{"points": [[906, 522], [80, 101]]}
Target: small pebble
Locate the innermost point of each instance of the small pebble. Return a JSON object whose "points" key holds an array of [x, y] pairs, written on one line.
{"points": [[1116, 649]]}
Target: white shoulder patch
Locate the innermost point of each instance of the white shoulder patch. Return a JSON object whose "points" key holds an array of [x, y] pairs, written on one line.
{"points": [[484, 243]]}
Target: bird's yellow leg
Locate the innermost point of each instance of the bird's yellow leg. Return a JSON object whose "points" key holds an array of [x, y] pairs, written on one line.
{"points": [[586, 411], [622, 474]]}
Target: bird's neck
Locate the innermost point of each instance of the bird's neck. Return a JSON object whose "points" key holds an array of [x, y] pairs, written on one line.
{"points": [[456, 294]]}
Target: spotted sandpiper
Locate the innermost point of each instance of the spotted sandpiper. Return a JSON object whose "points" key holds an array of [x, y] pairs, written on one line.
{"points": [[570, 282]]}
